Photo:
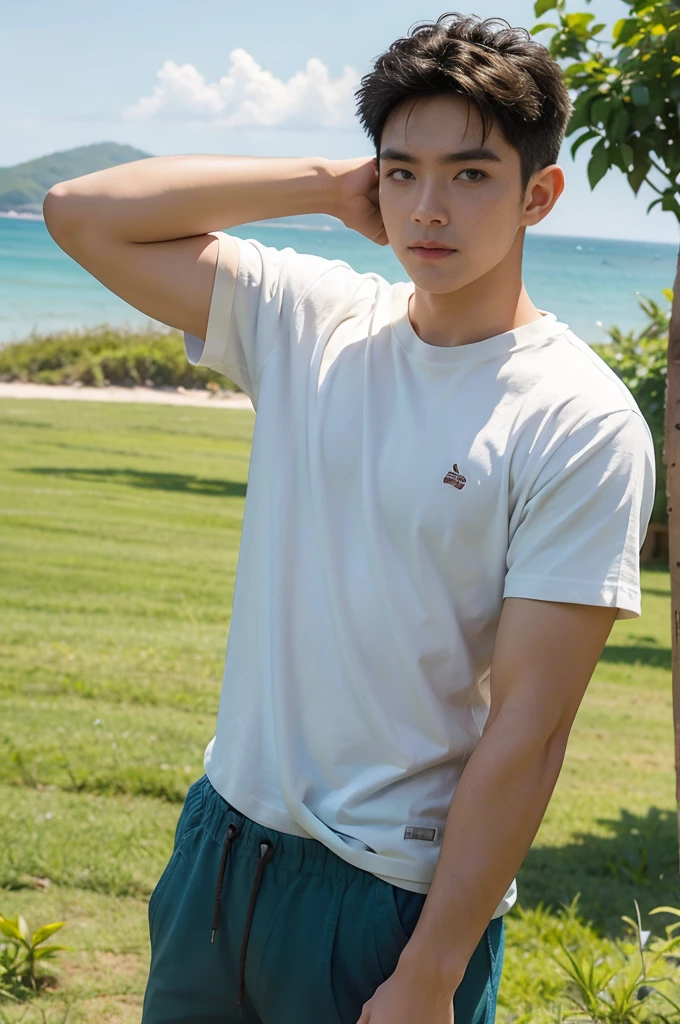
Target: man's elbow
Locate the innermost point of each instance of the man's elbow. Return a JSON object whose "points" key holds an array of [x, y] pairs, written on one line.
{"points": [[59, 211], [530, 733]]}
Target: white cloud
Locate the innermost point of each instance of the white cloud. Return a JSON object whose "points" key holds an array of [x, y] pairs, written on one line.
{"points": [[249, 96]]}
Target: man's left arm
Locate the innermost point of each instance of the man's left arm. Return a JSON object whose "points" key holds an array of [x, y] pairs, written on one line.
{"points": [[543, 659]]}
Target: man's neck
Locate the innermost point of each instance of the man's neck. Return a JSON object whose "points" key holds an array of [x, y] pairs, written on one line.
{"points": [[493, 304]]}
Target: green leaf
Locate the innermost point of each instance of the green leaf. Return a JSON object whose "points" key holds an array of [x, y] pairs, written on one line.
{"points": [[23, 928], [598, 164], [667, 909], [541, 6], [577, 69], [658, 30], [624, 30], [627, 154], [9, 927], [639, 95], [616, 158], [670, 204], [581, 139], [44, 933], [651, 206], [579, 21], [618, 124], [48, 951], [667, 294], [595, 29], [599, 110], [641, 122], [581, 116], [543, 25]]}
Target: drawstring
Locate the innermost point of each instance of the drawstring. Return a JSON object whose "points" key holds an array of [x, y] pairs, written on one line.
{"points": [[266, 854], [232, 832]]}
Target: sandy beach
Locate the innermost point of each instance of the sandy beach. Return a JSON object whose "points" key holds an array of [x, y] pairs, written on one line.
{"points": [[153, 396]]}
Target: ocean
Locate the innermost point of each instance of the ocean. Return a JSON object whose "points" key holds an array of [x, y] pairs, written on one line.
{"points": [[589, 283]]}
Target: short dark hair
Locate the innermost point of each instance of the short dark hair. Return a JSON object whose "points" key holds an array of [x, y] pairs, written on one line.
{"points": [[500, 70]]}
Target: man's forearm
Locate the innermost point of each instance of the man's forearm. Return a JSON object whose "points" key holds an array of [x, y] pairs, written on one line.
{"points": [[167, 197], [494, 816]]}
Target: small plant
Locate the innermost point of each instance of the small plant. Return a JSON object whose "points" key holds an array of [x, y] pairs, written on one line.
{"points": [[625, 988], [20, 955]]}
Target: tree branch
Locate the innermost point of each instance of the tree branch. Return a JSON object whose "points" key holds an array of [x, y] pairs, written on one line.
{"points": [[652, 185], [661, 170]]}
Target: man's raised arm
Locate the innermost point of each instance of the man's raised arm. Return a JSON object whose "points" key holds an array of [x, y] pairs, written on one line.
{"points": [[141, 228]]}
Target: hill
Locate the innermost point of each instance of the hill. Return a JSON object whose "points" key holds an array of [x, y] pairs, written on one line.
{"points": [[24, 186]]}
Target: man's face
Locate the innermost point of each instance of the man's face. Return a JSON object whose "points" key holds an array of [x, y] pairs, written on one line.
{"points": [[473, 203]]}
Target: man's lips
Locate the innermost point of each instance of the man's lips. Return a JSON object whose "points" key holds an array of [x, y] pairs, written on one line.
{"points": [[429, 244], [431, 252]]}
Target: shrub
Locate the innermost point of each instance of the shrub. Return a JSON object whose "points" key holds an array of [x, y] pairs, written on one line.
{"points": [[641, 361], [106, 355]]}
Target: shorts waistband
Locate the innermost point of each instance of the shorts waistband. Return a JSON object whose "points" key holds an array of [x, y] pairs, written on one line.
{"points": [[293, 854]]}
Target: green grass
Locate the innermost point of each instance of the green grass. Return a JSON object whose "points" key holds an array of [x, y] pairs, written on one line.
{"points": [[119, 533]]}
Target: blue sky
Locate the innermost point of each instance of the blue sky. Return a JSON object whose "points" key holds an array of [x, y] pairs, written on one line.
{"points": [[169, 77]]}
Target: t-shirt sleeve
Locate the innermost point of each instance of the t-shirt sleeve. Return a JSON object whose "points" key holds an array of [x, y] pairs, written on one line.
{"points": [[578, 534], [254, 312]]}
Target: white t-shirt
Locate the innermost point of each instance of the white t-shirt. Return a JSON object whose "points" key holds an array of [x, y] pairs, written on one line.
{"points": [[397, 493]]}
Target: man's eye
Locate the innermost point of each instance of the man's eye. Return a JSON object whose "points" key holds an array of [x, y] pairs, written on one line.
{"points": [[473, 170], [398, 170]]}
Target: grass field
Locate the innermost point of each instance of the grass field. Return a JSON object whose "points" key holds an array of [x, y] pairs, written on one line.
{"points": [[119, 533]]}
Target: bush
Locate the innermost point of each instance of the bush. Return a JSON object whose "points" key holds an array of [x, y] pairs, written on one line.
{"points": [[641, 361], [106, 355]]}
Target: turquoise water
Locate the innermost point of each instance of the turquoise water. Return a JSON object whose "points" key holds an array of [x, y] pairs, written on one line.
{"points": [[581, 280]]}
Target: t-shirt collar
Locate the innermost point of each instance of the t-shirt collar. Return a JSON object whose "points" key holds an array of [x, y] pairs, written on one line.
{"points": [[450, 355]]}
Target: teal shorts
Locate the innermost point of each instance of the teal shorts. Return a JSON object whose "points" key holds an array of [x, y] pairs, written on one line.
{"points": [[252, 925]]}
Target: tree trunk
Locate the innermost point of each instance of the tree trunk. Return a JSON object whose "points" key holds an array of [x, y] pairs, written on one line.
{"points": [[672, 463]]}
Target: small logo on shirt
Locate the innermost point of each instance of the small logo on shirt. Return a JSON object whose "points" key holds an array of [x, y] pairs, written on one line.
{"points": [[455, 477], [414, 832]]}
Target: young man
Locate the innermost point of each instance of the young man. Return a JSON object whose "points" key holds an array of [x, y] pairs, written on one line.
{"points": [[447, 496]]}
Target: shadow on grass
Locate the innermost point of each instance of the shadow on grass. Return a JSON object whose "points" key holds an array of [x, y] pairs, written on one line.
{"points": [[39, 424], [639, 860], [637, 654], [183, 483]]}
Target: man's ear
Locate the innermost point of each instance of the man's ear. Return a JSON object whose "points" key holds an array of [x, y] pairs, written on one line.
{"points": [[542, 192]]}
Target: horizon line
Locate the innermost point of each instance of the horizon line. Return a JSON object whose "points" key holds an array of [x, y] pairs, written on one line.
{"points": [[280, 222]]}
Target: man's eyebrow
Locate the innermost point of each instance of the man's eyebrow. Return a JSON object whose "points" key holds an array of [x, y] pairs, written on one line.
{"points": [[476, 153]]}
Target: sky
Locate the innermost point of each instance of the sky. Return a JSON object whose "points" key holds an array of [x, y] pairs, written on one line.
{"points": [[265, 79]]}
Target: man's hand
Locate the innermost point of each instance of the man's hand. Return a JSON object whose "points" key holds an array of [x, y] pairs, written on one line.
{"points": [[357, 197], [409, 995]]}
